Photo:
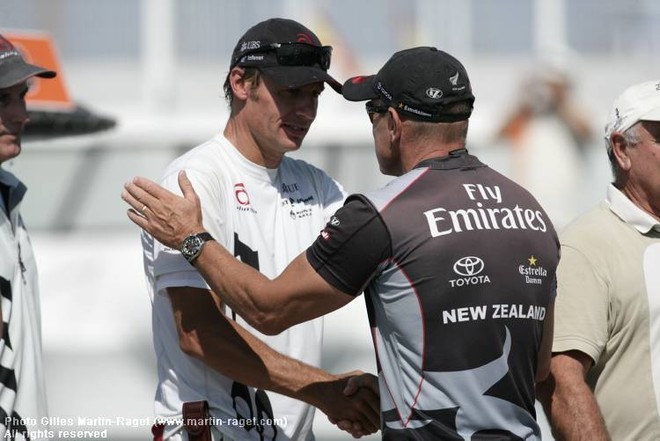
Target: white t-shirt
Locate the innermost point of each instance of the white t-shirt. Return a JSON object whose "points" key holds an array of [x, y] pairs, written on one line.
{"points": [[265, 217]]}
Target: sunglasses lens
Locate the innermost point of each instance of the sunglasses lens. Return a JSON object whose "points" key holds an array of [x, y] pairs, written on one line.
{"points": [[374, 107], [301, 54]]}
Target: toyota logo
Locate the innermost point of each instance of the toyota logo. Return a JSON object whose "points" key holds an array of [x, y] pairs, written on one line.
{"points": [[434, 93], [468, 266]]}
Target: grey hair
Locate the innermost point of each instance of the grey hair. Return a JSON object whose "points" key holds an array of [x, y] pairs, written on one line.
{"points": [[631, 136]]}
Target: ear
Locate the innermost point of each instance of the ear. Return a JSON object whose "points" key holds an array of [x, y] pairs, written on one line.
{"points": [[239, 86], [620, 150], [394, 125]]}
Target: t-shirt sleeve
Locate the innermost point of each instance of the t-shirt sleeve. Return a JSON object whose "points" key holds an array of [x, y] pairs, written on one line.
{"points": [[333, 194], [581, 306], [171, 269], [351, 246]]}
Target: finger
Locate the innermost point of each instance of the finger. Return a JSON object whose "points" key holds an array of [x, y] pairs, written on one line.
{"points": [[137, 197], [137, 219], [354, 429], [186, 186], [150, 187], [345, 425], [371, 408], [352, 387], [131, 200], [370, 381], [149, 193]]}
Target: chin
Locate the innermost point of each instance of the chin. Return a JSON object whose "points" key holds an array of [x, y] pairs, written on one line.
{"points": [[8, 152], [293, 144]]}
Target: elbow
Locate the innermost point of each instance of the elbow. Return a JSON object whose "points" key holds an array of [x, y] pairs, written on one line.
{"points": [[190, 344], [264, 315], [268, 323]]}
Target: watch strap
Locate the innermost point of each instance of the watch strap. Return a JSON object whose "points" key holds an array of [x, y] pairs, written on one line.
{"points": [[205, 236]]}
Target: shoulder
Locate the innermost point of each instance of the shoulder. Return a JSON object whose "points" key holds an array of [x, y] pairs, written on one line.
{"points": [[592, 226], [202, 160], [315, 176], [303, 168], [598, 237], [384, 196]]}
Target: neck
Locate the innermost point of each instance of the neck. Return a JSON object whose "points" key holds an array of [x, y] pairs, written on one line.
{"points": [[241, 137], [639, 197], [422, 154]]}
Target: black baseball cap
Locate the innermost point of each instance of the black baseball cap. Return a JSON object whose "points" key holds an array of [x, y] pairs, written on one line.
{"points": [[419, 82], [285, 51], [14, 69]]}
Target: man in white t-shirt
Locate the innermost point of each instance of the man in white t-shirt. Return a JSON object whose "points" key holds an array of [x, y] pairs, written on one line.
{"points": [[266, 208], [23, 406], [605, 369]]}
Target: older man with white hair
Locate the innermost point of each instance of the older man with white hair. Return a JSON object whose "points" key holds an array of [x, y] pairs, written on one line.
{"points": [[605, 370]]}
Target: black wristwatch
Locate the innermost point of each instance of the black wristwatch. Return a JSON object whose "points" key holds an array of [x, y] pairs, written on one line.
{"points": [[192, 245]]}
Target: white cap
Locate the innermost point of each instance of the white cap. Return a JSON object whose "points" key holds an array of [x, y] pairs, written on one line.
{"points": [[640, 102]]}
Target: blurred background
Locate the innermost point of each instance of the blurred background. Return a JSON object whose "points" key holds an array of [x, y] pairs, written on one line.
{"points": [[144, 79]]}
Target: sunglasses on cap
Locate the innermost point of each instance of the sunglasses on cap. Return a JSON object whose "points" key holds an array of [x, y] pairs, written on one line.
{"points": [[296, 54], [375, 106]]}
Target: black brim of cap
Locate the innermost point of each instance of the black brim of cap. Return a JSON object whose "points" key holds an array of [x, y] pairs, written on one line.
{"points": [[298, 76], [19, 72], [360, 88]]}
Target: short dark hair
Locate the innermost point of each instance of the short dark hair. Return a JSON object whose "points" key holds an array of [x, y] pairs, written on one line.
{"points": [[251, 74]]}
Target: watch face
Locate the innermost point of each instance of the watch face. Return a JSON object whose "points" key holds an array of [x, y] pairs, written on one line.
{"points": [[191, 246]]}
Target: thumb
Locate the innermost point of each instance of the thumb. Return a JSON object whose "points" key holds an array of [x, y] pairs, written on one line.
{"points": [[352, 385], [186, 186]]}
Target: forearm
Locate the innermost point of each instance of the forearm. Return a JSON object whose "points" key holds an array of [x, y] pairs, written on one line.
{"points": [[250, 361], [570, 404], [297, 295], [208, 335], [256, 364], [575, 416], [238, 285]]}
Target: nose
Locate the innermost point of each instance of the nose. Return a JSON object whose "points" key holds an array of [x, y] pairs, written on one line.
{"points": [[16, 113], [307, 105]]}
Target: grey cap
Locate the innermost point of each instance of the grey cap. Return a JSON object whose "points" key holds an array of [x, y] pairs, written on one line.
{"points": [[14, 69]]}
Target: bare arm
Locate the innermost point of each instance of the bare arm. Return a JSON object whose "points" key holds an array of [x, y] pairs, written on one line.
{"points": [[208, 335], [297, 295], [569, 402]]}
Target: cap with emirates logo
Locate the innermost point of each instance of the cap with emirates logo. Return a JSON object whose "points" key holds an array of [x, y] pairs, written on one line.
{"points": [[419, 82], [640, 102], [14, 69]]}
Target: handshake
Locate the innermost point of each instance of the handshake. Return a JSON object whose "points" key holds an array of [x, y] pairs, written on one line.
{"points": [[352, 403]]}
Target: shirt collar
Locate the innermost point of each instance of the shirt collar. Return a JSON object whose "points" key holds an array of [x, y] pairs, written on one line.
{"points": [[626, 209]]}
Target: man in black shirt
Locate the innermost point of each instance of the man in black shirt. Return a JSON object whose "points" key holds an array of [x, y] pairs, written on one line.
{"points": [[456, 261]]}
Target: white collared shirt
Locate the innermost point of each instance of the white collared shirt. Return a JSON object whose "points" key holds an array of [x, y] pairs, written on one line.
{"points": [[630, 212]]}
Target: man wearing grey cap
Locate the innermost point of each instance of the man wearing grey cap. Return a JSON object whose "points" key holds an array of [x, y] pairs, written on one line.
{"points": [[457, 263], [23, 406], [605, 369]]}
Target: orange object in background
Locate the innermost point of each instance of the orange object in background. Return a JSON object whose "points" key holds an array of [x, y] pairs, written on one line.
{"points": [[38, 48]]}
